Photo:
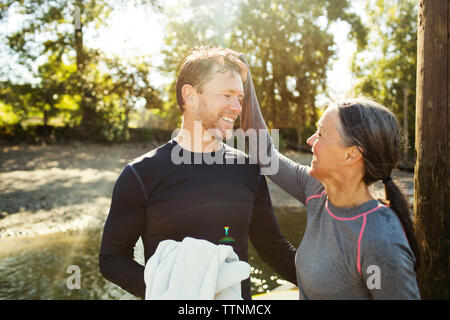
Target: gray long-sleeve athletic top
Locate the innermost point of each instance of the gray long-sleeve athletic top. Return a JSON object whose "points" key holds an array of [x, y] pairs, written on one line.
{"points": [[346, 253]]}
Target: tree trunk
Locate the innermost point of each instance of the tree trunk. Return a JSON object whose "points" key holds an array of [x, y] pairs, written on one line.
{"points": [[88, 112], [431, 177], [45, 118], [78, 36], [301, 122]]}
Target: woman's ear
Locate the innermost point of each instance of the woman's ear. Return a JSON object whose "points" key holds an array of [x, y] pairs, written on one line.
{"points": [[354, 154], [188, 93]]}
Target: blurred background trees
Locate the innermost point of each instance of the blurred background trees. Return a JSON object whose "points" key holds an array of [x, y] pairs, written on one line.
{"points": [[386, 68], [73, 84], [289, 45]]}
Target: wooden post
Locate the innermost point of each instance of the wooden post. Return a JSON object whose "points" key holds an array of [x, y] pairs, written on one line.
{"points": [[431, 176]]}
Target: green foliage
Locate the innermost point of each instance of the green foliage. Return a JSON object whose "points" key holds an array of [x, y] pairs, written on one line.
{"points": [[74, 83], [7, 115], [287, 43], [389, 64]]}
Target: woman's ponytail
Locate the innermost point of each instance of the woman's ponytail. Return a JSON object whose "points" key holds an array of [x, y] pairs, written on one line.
{"points": [[399, 204]]}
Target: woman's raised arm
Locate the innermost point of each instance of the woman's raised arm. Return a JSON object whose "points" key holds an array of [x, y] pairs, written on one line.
{"points": [[287, 174]]}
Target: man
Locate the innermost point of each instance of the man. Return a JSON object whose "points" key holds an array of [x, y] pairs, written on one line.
{"points": [[158, 197]]}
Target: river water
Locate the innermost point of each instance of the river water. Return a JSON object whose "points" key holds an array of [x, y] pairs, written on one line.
{"points": [[37, 267]]}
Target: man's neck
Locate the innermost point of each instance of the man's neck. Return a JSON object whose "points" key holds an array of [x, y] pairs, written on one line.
{"points": [[196, 139]]}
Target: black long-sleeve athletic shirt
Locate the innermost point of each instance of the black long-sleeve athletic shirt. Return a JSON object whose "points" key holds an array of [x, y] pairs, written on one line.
{"points": [[157, 198]]}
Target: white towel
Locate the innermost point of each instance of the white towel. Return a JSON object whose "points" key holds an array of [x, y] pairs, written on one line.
{"points": [[194, 269]]}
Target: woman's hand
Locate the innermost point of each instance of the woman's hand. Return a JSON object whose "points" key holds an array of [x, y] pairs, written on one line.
{"points": [[234, 57]]}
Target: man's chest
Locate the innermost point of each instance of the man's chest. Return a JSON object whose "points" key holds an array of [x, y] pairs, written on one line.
{"points": [[201, 204]]}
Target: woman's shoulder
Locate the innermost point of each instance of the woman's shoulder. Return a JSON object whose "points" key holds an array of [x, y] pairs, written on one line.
{"points": [[384, 244], [383, 230]]}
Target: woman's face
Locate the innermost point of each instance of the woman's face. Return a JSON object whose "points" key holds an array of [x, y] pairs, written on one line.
{"points": [[327, 146]]}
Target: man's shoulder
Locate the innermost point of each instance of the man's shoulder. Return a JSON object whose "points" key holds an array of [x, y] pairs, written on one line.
{"points": [[153, 157]]}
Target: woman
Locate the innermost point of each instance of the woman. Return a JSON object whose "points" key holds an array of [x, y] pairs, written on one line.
{"points": [[354, 246]]}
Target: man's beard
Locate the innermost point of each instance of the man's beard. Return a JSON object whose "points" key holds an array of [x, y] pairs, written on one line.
{"points": [[210, 121]]}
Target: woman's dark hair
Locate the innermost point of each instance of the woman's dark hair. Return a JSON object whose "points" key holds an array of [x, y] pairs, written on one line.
{"points": [[374, 129]]}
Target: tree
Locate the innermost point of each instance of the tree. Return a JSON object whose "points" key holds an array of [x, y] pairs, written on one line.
{"points": [[104, 98], [431, 177], [386, 69]]}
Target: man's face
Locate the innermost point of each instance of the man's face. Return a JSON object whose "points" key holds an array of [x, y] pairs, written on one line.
{"points": [[220, 103]]}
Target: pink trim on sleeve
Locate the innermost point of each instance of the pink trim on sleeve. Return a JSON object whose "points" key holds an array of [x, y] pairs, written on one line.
{"points": [[314, 196]]}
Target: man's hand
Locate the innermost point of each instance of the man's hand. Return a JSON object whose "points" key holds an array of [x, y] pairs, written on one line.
{"points": [[234, 57]]}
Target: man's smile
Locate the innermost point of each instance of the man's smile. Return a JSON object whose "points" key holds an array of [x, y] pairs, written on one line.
{"points": [[228, 119]]}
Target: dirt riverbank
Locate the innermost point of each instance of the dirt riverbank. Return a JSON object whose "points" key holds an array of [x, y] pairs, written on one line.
{"points": [[55, 188]]}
